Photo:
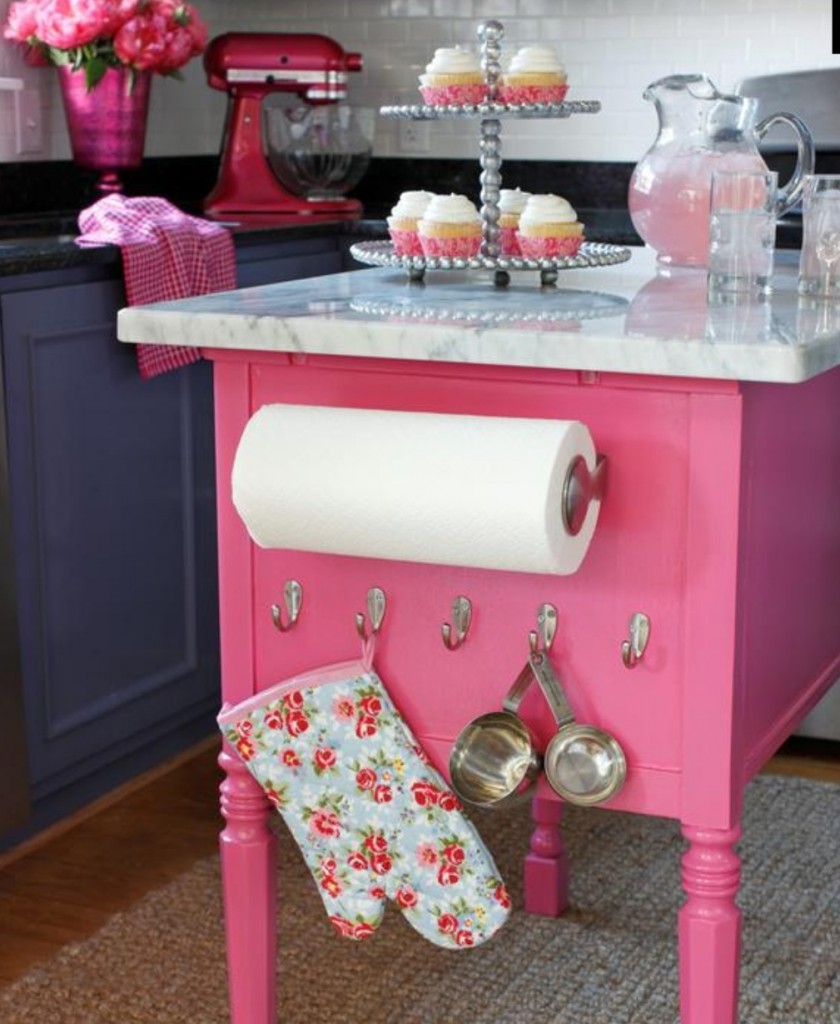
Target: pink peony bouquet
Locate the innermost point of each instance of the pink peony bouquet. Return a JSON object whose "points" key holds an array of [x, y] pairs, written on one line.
{"points": [[94, 35]]}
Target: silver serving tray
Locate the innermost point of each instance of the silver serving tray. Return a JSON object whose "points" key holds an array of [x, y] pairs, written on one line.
{"points": [[564, 308], [423, 112], [380, 253]]}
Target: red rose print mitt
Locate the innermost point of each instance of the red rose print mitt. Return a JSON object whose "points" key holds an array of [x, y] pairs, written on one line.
{"points": [[373, 818]]}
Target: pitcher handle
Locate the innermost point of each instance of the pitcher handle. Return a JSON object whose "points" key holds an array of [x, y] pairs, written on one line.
{"points": [[789, 195]]}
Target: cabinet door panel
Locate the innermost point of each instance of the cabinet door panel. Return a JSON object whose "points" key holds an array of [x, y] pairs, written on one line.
{"points": [[270, 264], [112, 497]]}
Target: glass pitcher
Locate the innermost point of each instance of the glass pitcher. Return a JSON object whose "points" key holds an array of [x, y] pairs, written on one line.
{"points": [[701, 130]]}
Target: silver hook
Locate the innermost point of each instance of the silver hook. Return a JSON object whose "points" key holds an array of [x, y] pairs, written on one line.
{"points": [[546, 629], [293, 599], [376, 611], [633, 649], [462, 617]]}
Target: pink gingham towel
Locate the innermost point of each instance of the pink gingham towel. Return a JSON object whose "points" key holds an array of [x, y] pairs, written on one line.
{"points": [[166, 255]]}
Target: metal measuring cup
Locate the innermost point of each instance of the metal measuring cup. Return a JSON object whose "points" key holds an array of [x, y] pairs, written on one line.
{"points": [[583, 764], [494, 760]]}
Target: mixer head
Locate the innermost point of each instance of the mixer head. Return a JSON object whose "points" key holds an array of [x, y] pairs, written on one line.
{"points": [[314, 67]]}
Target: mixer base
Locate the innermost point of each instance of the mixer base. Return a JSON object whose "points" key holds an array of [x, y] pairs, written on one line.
{"points": [[277, 218], [283, 207]]}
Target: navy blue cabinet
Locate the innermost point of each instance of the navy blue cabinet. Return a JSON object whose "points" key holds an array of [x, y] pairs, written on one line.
{"points": [[113, 523], [307, 257]]}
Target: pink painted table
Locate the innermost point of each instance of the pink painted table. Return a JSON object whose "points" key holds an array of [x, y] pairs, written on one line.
{"points": [[721, 522]]}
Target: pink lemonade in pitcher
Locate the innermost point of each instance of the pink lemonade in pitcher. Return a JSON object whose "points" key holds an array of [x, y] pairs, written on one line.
{"points": [[669, 200], [701, 130]]}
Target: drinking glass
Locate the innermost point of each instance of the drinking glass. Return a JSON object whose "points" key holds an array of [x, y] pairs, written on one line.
{"points": [[819, 263], [742, 231]]}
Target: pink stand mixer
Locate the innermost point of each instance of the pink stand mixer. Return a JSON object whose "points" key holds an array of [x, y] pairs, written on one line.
{"points": [[285, 160]]}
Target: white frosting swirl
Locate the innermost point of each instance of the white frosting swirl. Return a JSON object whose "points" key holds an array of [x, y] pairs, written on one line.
{"points": [[513, 200], [548, 209], [451, 209], [412, 205], [536, 59], [453, 61]]}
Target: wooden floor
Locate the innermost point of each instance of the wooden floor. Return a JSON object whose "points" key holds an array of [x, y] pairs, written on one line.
{"points": [[64, 886]]}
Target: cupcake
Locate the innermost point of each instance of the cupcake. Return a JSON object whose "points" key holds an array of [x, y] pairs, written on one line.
{"points": [[450, 227], [454, 75], [534, 75], [402, 224], [548, 228], [511, 204]]}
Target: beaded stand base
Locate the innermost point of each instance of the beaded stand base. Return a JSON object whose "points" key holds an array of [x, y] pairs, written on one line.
{"points": [[590, 254]]}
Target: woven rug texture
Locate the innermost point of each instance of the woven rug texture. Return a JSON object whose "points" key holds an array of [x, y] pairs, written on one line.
{"points": [[611, 959]]}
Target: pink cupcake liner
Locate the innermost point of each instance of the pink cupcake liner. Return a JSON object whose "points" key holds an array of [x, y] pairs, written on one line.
{"points": [[440, 95], [406, 243], [548, 248], [508, 242], [531, 93], [463, 248]]}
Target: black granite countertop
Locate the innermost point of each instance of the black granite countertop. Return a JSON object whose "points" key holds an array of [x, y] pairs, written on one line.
{"points": [[39, 217], [36, 237], [31, 245], [48, 243]]}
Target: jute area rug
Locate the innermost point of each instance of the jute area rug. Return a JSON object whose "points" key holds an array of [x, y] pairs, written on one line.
{"points": [[610, 960]]}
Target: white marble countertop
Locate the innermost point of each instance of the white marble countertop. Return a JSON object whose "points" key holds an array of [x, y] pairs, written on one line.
{"points": [[627, 318]]}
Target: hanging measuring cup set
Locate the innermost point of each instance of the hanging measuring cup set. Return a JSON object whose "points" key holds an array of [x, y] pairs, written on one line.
{"points": [[495, 759]]}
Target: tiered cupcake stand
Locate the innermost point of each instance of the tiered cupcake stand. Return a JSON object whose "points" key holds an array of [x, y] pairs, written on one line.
{"points": [[489, 115]]}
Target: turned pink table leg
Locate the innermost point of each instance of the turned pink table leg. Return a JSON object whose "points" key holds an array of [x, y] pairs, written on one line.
{"points": [[546, 866], [248, 857], [710, 927]]}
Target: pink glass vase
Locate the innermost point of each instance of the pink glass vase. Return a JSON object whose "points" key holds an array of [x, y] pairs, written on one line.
{"points": [[107, 125]]}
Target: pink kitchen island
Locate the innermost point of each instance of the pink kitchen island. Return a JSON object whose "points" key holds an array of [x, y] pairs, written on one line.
{"points": [[720, 522]]}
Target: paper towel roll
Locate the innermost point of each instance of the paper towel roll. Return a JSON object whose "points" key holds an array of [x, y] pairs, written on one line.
{"points": [[480, 491]]}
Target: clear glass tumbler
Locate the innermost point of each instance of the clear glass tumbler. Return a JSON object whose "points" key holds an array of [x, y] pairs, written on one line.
{"points": [[742, 231], [819, 262]]}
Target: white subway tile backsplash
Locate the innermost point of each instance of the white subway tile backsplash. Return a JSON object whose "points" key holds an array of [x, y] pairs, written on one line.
{"points": [[410, 9], [317, 9], [592, 8], [363, 10], [692, 25], [607, 28], [612, 49], [716, 9], [430, 31], [494, 8], [650, 26], [392, 30], [538, 8], [452, 8], [558, 29]]}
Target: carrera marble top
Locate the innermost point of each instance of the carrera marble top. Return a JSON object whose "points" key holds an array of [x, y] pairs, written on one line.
{"points": [[628, 318]]}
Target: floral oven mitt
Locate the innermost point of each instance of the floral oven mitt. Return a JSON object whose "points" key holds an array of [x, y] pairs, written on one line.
{"points": [[372, 817]]}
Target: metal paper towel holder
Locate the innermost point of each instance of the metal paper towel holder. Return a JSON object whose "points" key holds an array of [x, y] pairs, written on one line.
{"points": [[579, 489]]}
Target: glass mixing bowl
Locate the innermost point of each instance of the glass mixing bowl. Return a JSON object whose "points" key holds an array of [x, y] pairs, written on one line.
{"points": [[318, 152]]}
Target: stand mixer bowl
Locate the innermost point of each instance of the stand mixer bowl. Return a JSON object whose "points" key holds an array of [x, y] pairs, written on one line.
{"points": [[318, 152]]}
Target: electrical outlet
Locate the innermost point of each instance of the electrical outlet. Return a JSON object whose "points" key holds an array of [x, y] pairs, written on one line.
{"points": [[414, 136], [28, 121]]}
